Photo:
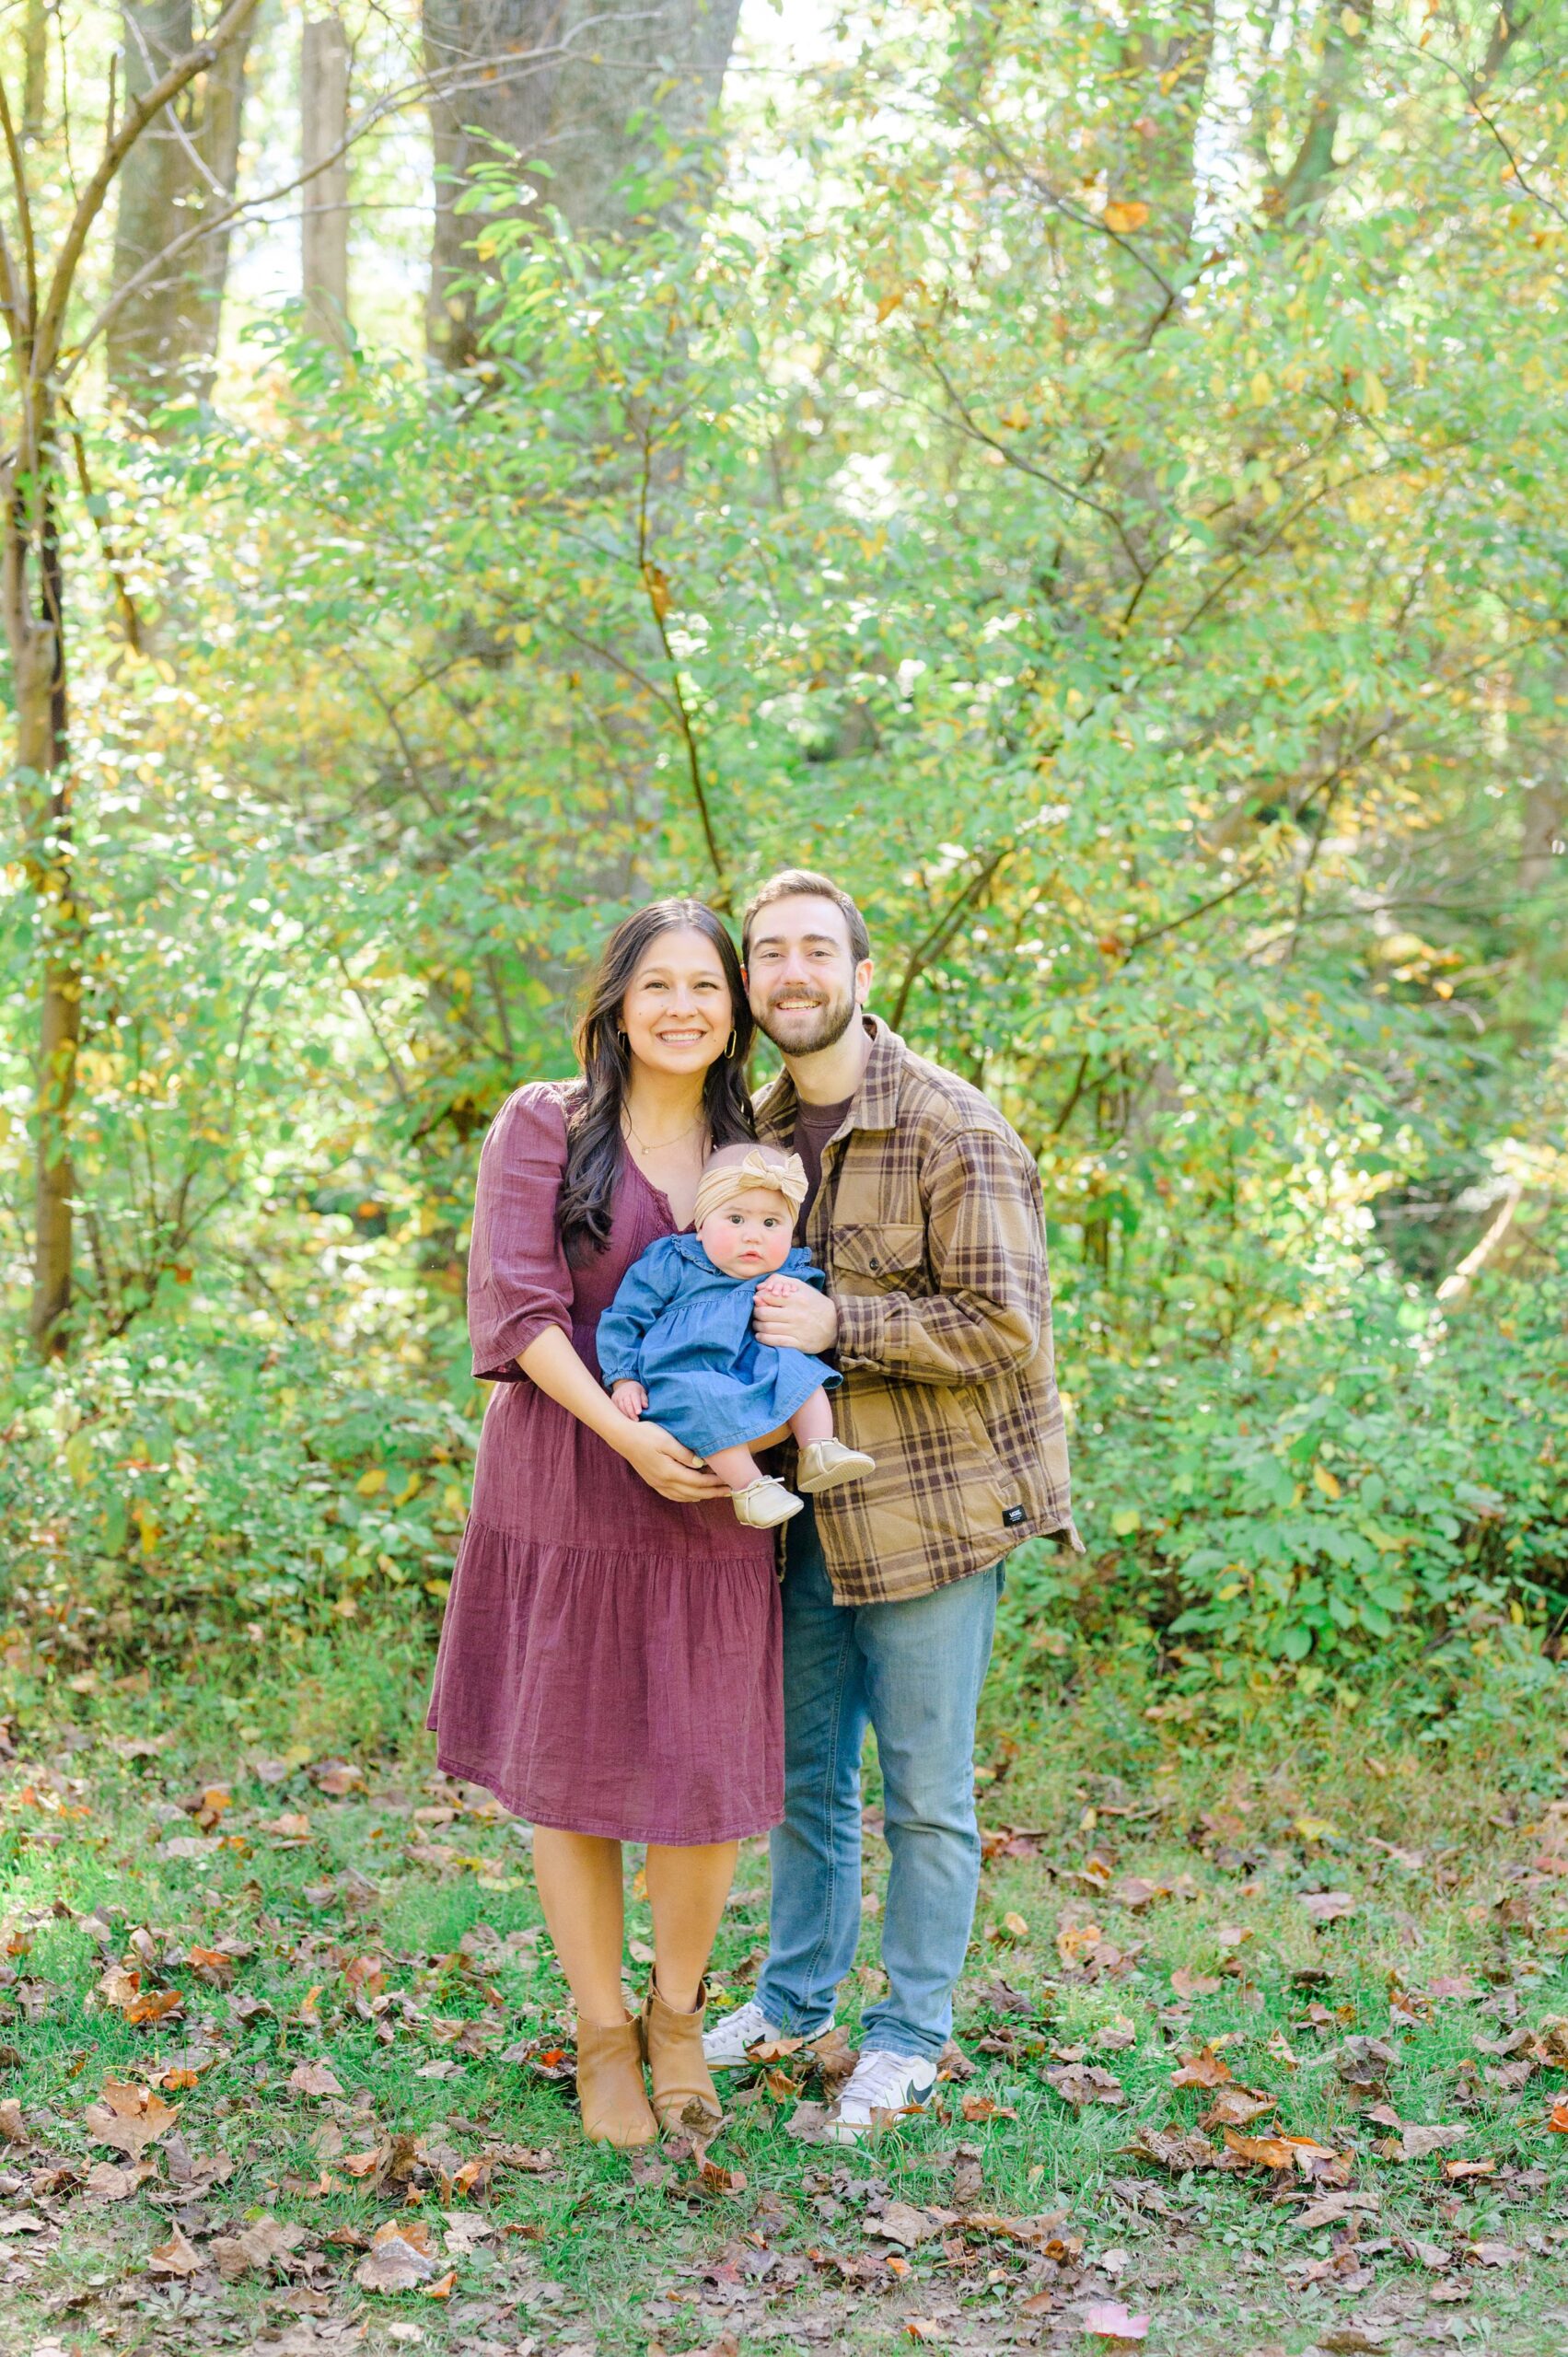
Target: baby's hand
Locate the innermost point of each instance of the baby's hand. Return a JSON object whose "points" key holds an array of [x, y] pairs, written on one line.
{"points": [[778, 1288], [630, 1398]]}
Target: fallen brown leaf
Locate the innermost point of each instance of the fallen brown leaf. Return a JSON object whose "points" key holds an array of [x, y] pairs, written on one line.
{"points": [[154, 2006], [315, 2079], [1205, 2069], [394, 2264], [1326, 1906], [1080, 2083], [1260, 2152], [130, 2118], [1417, 2143], [898, 2223], [107, 2181], [1238, 2107], [1177, 2149], [270, 2242], [14, 2129], [1187, 1983], [176, 2257], [984, 2108]]}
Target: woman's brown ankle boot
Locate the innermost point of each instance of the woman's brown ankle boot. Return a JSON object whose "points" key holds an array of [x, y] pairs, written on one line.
{"points": [[610, 2084], [684, 2096]]}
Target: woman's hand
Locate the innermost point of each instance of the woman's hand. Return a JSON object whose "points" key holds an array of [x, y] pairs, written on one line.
{"points": [[667, 1467], [630, 1398]]}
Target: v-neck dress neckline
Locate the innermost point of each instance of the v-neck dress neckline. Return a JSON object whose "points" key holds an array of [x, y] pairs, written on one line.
{"points": [[630, 1162]]}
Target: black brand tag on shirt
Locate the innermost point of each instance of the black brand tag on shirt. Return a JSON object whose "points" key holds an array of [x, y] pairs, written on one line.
{"points": [[1013, 1515]]}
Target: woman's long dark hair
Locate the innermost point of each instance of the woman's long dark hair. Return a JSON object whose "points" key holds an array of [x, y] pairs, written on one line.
{"points": [[593, 1126]]}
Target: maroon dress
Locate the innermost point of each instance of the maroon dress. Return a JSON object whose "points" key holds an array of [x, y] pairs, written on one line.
{"points": [[609, 1661]]}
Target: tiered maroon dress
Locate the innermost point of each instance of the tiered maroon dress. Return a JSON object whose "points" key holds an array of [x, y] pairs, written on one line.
{"points": [[609, 1661]]}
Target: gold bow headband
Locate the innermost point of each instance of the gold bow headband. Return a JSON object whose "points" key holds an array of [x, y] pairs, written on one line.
{"points": [[731, 1179]]}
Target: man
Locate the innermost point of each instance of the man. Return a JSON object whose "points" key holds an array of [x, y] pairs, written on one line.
{"points": [[925, 1211]]}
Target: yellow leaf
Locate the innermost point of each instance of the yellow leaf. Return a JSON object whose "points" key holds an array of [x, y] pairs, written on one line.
{"points": [[369, 1483], [1374, 399], [888, 305], [1125, 1520], [1261, 389], [1351, 22], [1325, 1481], [1124, 217]]}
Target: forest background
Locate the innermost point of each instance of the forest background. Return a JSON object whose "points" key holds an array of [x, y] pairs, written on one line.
{"points": [[1095, 480]]}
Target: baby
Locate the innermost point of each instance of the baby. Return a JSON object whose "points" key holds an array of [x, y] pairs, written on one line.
{"points": [[677, 1344]]}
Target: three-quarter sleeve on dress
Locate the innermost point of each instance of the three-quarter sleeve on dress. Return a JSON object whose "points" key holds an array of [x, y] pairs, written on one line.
{"points": [[519, 1279]]}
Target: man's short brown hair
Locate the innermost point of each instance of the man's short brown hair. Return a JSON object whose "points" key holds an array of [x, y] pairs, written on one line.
{"points": [[803, 883]]}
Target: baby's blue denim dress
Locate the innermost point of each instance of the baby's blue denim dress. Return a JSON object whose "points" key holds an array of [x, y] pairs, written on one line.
{"points": [[682, 1329]]}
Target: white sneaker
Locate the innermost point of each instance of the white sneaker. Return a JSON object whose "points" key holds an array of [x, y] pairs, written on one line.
{"points": [[729, 2044], [881, 2082]]}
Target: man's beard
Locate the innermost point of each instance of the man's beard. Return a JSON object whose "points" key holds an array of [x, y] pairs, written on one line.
{"points": [[833, 1020]]}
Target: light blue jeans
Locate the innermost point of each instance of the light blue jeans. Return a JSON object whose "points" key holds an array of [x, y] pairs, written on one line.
{"points": [[912, 1671]]}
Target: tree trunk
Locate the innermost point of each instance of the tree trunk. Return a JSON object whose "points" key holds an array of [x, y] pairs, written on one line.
{"points": [[323, 126], [557, 82], [182, 168], [36, 640], [1296, 195]]}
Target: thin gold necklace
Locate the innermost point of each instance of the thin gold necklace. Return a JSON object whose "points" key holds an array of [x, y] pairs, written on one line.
{"points": [[663, 1144]]}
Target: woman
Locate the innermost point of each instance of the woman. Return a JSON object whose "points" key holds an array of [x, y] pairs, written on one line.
{"points": [[609, 1661]]}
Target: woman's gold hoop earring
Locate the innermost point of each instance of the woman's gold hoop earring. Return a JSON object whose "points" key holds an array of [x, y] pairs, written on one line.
{"points": [[729, 1050]]}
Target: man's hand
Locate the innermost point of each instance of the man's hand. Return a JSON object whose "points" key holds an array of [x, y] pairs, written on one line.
{"points": [[630, 1398], [789, 1315]]}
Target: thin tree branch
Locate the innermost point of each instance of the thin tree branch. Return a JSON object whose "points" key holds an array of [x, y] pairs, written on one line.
{"points": [[942, 932], [24, 219], [657, 594]]}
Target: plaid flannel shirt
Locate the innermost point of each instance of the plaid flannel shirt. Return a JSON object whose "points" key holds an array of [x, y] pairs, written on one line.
{"points": [[930, 1227]]}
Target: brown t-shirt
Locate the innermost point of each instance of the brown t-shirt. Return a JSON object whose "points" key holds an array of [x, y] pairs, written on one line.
{"points": [[814, 1125]]}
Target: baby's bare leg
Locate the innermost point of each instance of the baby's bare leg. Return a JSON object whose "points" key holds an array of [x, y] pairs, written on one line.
{"points": [[736, 1468], [813, 1420]]}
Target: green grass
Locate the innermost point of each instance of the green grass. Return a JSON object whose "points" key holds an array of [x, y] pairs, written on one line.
{"points": [[594, 2253]]}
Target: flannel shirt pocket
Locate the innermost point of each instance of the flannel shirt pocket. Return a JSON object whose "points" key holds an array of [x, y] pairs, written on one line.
{"points": [[880, 1258]]}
